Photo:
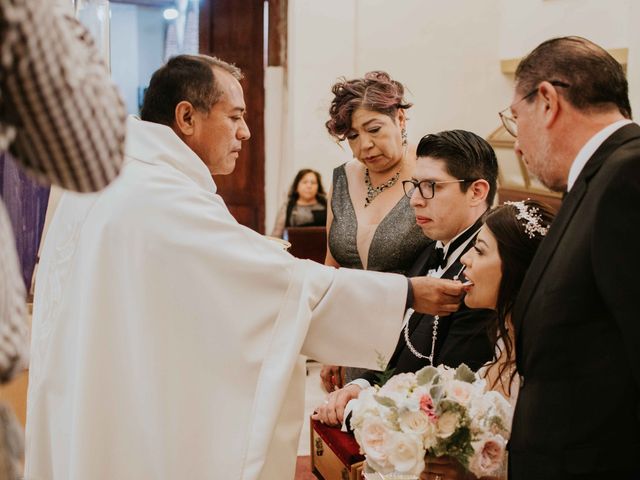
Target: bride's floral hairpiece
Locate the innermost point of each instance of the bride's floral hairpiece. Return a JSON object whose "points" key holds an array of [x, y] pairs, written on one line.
{"points": [[531, 218]]}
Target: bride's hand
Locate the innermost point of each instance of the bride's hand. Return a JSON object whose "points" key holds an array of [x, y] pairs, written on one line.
{"points": [[444, 468]]}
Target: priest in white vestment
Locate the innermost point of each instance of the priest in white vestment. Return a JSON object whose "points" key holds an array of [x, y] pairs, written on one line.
{"points": [[167, 338]]}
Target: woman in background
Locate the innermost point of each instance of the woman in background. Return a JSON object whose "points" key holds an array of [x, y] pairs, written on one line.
{"points": [[306, 205], [496, 267], [370, 223]]}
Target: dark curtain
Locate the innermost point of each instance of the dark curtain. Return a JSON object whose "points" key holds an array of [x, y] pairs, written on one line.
{"points": [[26, 201]]}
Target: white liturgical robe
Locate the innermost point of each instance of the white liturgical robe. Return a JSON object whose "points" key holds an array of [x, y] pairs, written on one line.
{"points": [[167, 338]]}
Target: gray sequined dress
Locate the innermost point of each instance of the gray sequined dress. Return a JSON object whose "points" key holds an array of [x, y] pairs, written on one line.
{"points": [[395, 245]]}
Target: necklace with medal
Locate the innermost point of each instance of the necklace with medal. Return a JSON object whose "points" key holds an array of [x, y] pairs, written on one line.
{"points": [[434, 332]]}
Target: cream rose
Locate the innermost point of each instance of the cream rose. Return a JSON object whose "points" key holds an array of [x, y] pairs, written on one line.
{"points": [[405, 453], [400, 384], [459, 392], [373, 437], [447, 424], [488, 458], [413, 421]]}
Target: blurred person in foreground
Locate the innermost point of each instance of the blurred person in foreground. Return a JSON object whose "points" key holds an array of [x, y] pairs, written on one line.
{"points": [[62, 119]]}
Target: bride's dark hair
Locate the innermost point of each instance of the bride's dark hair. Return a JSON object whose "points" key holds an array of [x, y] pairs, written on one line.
{"points": [[516, 247]]}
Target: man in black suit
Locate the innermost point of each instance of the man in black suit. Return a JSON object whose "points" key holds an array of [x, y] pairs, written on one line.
{"points": [[454, 183], [576, 319]]}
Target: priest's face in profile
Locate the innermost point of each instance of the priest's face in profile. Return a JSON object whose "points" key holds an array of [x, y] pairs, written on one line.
{"points": [[218, 134]]}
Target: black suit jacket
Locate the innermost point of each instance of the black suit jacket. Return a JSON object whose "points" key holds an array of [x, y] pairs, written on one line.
{"points": [[577, 329], [462, 336]]}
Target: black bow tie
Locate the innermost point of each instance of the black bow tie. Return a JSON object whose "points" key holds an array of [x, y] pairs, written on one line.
{"points": [[436, 259]]}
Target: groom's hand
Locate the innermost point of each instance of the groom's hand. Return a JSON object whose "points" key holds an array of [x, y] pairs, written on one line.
{"points": [[436, 296]]}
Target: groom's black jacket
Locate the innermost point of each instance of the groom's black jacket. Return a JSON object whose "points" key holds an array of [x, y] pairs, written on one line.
{"points": [[577, 327], [462, 336]]}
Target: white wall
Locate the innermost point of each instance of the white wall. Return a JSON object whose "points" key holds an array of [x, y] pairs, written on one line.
{"points": [[447, 53], [137, 48], [611, 24], [124, 52], [526, 23], [419, 42]]}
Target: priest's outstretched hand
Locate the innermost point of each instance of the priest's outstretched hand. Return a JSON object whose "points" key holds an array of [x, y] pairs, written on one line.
{"points": [[436, 296]]}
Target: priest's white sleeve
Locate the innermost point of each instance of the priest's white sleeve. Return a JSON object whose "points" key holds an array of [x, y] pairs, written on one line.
{"points": [[358, 321]]}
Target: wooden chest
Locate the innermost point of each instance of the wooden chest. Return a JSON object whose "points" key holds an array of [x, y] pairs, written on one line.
{"points": [[335, 455]]}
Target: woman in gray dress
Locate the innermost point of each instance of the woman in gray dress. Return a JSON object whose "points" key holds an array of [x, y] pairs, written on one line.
{"points": [[369, 221]]}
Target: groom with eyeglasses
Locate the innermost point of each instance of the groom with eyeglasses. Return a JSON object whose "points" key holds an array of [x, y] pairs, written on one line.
{"points": [[453, 186]]}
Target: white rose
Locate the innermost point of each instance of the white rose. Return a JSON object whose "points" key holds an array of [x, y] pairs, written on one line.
{"points": [[373, 437], [364, 406], [446, 373], [405, 453], [413, 421], [447, 424], [460, 392], [399, 384]]}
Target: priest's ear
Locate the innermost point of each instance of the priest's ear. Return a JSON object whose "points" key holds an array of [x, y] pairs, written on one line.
{"points": [[185, 119]]}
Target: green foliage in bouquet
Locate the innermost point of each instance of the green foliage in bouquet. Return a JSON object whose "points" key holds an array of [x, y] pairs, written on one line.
{"points": [[385, 372], [464, 374], [458, 445]]}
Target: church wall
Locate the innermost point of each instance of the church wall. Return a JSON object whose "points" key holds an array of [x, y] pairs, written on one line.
{"points": [[447, 54]]}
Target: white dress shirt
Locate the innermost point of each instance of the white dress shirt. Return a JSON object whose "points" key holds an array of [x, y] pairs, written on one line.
{"points": [[589, 148]]}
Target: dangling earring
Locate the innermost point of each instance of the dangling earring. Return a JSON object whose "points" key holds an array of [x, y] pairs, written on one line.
{"points": [[403, 133]]}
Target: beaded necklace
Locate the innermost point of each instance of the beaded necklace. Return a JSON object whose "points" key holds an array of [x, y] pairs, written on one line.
{"points": [[434, 332], [373, 192]]}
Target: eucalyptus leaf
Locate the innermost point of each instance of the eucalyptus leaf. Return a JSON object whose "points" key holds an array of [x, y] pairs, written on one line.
{"points": [[465, 374], [425, 375], [385, 401], [436, 392]]}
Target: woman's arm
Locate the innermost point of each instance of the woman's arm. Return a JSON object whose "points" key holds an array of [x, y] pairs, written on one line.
{"points": [[278, 228], [329, 260]]}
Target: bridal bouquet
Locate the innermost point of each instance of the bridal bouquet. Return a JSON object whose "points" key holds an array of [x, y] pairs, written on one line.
{"points": [[441, 411]]}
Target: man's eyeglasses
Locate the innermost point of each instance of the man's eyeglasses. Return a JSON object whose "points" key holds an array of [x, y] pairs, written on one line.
{"points": [[507, 116], [427, 188]]}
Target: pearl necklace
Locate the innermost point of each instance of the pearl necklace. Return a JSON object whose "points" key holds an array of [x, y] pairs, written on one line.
{"points": [[434, 332]]}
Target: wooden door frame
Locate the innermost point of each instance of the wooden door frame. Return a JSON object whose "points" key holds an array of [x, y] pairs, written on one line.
{"points": [[233, 31]]}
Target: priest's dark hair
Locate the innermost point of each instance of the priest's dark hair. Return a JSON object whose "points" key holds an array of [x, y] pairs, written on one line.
{"points": [[594, 80], [516, 247], [188, 78], [466, 157]]}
